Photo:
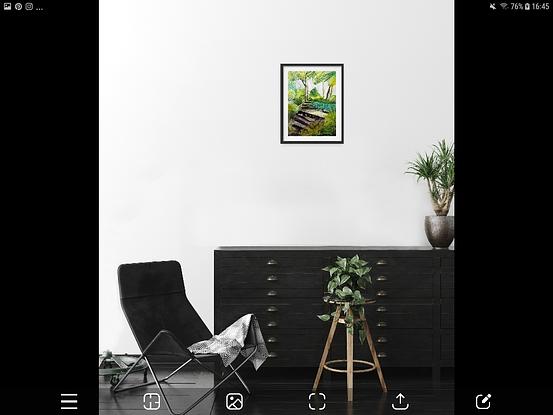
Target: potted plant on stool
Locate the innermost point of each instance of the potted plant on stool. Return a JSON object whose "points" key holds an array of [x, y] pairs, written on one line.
{"points": [[438, 170], [349, 278]]}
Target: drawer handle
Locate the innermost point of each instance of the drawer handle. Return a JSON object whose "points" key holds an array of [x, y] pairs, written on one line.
{"points": [[272, 293], [381, 309], [382, 355], [381, 262], [272, 354], [381, 324], [272, 278], [382, 278], [271, 262], [382, 339], [272, 309], [382, 293], [272, 324], [272, 340]]}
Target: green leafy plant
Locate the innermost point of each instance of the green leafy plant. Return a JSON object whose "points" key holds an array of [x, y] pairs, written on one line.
{"points": [[292, 110], [348, 281], [438, 170]]}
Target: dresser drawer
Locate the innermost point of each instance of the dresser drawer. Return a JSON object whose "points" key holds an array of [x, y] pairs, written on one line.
{"points": [[290, 348], [404, 316], [447, 352], [293, 358], [294, 347], [298, 308], [402, 285], [406, 358], [401, 341], [279, 323], [247, 295], [394, 347], [390, 339], [271, 261], [290, 321], [387, 262], [273, 279], [447, 314], [448, 262], [280, 338], [392, 292], [447, 286], [283, 319]]}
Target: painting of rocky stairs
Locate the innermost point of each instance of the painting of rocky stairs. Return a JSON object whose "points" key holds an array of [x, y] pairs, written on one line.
{"points": [[307, 116]]}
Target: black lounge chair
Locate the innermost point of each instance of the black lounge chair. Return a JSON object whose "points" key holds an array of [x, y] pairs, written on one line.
{"points": [[164, 323]]}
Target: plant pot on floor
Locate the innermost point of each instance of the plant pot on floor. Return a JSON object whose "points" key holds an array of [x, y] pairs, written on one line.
{"points": [[440, 230]]}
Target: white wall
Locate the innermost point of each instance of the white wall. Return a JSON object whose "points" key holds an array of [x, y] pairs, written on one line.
{"points": [[190, 157]]}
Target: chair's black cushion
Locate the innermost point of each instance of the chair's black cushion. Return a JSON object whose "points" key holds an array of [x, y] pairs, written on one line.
{"points": [[153, 299]]}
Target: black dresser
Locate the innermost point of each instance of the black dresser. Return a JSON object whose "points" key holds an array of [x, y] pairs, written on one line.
{"points": [[412, 320]]}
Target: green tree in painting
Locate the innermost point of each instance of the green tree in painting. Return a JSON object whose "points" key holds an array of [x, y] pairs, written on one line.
{"points": [[303, 77], [312, 103], [326, 77], [331, 85]]}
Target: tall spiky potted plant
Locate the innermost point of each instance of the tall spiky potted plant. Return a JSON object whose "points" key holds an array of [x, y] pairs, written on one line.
{"points": [[437, 169]]}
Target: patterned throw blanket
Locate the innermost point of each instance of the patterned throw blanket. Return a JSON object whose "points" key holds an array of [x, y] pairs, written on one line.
{"points": [[236, 339]]}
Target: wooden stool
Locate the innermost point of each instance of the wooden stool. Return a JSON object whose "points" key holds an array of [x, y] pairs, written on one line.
{"points": [[339, 318]]}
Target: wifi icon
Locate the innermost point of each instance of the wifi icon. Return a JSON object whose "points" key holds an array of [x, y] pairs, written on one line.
{"points": [[504, 6]]}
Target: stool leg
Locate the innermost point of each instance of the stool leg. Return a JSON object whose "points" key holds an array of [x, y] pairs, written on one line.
{"points": [[349, 367], [327, 347], [374, 355]]}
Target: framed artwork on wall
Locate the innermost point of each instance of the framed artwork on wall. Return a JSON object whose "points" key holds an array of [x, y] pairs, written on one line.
{"points": [[311, 103]]}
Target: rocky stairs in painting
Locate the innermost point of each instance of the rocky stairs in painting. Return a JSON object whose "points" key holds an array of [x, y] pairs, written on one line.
{"points": [[307, 116]]}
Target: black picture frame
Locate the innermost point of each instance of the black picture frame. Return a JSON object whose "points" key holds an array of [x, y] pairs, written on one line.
{"points": [[283, 115]]}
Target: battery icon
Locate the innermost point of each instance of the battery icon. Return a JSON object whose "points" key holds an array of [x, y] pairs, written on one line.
{"points": [[527, 6]]}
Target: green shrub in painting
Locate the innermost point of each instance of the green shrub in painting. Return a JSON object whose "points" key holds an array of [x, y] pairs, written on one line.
{"points": [[326, 127], [292, 110], [324, 105], [329, 124], [311, 130], [291, 95], [314, 94], [298, 98]]}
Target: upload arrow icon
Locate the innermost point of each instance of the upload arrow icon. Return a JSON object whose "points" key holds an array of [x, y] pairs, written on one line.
{"points": [[400, 407]]}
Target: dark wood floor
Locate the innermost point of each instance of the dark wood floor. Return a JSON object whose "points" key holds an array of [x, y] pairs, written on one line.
{"points": [[286, 392]]}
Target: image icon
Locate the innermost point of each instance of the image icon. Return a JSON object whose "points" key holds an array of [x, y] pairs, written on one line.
{"points": [[234, 401]]}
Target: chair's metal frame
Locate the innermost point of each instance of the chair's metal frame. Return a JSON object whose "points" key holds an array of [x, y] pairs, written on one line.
{"points": [[192, 357]]}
